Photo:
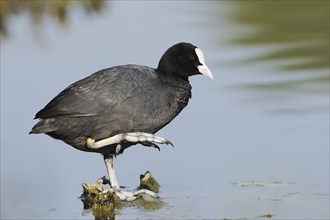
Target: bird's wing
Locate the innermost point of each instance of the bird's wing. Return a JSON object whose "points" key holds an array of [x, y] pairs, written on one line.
{"points": [[99, 93]]}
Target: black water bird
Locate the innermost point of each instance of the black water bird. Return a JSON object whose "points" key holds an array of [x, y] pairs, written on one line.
{"points": [[121, 106]]}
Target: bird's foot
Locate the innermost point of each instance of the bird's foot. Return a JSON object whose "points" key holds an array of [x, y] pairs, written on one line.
{"points": [[131, 196], [146, 139]]}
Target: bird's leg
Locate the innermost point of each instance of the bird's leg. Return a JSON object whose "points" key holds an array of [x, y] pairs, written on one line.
{"points": [[108, 160], [134, 137], [128, 196]]}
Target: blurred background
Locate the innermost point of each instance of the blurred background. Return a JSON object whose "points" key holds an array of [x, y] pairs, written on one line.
{"points": [[252, 143]]}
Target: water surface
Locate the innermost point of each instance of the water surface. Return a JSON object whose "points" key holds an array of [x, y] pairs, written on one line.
{"points": [[254, 141]]}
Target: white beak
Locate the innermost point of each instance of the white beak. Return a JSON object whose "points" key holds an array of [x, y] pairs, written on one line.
{"points": [[203, 69]]}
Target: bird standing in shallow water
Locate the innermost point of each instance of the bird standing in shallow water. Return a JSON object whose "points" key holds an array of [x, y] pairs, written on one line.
{"points": [[121, 106]]}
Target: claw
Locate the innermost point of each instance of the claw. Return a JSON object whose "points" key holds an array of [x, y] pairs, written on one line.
{"points": [[150, 144], [155, 146], [169, 143]]}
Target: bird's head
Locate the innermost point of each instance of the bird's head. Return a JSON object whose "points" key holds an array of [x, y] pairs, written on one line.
{"points": [[183, 60]]}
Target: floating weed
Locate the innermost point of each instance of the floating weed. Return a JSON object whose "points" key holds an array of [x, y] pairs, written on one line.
{"points": [[261, 184]]}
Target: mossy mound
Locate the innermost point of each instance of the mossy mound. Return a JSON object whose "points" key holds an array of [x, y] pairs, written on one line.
{"points": [[148, 181], [102, 212], [105, 203]]}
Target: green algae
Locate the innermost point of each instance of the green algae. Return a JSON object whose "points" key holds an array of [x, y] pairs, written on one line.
{"points": [[148, 203], [148, 181], [105, 203]]}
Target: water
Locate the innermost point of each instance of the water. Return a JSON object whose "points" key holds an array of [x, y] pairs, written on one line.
{"points": [[254, 141]]}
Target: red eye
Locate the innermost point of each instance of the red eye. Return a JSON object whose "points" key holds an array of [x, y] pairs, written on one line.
{"points": [[191, 56]]}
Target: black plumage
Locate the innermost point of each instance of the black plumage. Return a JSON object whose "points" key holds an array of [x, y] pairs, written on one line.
{"points": [[122, 99]]}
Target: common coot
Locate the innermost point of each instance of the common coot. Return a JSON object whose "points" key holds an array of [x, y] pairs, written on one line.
{"points": [[122, 106]]}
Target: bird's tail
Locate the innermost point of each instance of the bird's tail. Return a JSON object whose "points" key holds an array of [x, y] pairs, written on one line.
{"points": [[43, 126]]}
